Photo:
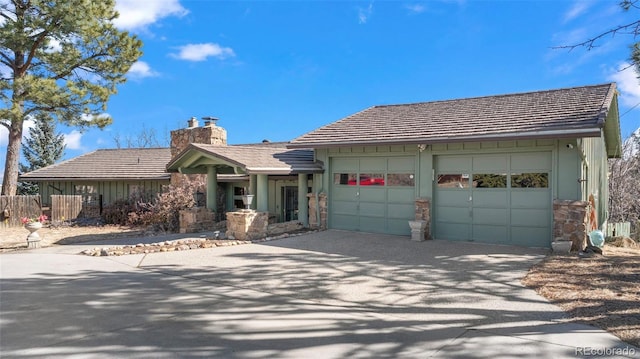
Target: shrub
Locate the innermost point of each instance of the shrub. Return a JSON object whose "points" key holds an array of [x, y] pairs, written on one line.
{"points": [[163, 212]]}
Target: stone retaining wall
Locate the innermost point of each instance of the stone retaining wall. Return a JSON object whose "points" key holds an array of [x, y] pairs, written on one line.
{"points": [[570, 222], [199, 219], [285, 227]]}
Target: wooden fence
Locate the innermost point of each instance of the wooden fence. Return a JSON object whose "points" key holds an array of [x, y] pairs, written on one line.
{"points": [[618, 229], [14, 208], [65, 207]]}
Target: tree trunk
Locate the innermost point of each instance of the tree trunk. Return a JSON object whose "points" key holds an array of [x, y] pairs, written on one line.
{"points": [[10, 181]]}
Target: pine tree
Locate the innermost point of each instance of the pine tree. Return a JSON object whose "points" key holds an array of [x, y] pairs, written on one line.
{"points": [[42, 148], [60, 57]]}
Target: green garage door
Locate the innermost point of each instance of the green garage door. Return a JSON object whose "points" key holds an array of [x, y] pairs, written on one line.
{"points": [[498, 198], [372, 194]]}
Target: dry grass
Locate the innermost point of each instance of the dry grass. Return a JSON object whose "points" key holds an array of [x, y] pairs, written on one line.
{"points": [[603, 291]]}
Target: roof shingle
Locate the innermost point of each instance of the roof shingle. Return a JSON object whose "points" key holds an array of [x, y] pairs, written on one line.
{"points": [[532, 114], [108, 164]]}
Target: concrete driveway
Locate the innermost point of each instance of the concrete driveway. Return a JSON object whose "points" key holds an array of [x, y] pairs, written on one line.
{"points": [[330, 294]]}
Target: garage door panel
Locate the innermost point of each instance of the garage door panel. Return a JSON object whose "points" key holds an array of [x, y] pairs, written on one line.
{"points": [[530, 217], [372, 209], [345, 193], [374, 164], [490, 163], [454, 164], [531, 236], [530, 161], [530, 198], [398, 226], [400, 211], [453, 198], [402, 195], [345, 221], [374, 194], [404, 164], [453, 214], [344, 165], [452, 231], [344, 207], [490, 198], [490, 234], [372, 224], [493, 216]]}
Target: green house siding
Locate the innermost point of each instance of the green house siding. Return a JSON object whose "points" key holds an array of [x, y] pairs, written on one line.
{"points": [[110, 190], [500, 213]]}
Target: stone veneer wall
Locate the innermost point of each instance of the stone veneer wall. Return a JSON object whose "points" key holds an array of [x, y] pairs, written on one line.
{"points": [[570, 222], [199, 219], [423, 213], [247, 224], [313, 213], [284, 227]]}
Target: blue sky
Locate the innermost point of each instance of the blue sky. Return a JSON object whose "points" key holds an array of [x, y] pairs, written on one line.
{"points": [[278, 69]]}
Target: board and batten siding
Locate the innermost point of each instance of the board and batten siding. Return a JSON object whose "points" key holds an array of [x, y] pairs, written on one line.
{"points": [[110, 190]]}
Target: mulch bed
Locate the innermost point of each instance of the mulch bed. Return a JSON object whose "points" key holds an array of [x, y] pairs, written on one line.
{"points": [[599, 290]]}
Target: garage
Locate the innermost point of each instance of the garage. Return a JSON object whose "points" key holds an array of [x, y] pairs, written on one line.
{"points": [[494, 198], [372, 194]]}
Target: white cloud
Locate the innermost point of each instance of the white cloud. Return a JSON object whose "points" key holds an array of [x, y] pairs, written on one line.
{"points": [[72, 140], [578, 8], [628, 84], [415, 8], [137, 15], [4, 133], [365, 13], [200, 52], [141, 69]]}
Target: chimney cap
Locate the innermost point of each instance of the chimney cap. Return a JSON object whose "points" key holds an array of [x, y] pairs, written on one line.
{"points": [[210, 120], [193, 122]]}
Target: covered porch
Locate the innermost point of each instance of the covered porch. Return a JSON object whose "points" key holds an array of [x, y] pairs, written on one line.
{"points": [[279, 178]]}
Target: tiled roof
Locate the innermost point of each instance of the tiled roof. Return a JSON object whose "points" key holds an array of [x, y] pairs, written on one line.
{"points": [[255, 159], [572, 112], [108, 164]]}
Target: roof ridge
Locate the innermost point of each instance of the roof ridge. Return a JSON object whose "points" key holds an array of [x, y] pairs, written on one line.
{"points": [[488, 96]]}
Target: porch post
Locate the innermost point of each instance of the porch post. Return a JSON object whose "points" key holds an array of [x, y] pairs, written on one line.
{"points": [[263, 193], [212, 188], [303, 206], [253, 188]]}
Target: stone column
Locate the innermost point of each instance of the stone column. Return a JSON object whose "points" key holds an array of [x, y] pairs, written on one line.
{"points": [[423, 213], [262, 193], [212, 188], [317, 210], [247, 224], [570, 224], [303, 207]]}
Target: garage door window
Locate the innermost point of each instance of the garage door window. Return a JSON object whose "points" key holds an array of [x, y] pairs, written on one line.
{"points": [[372, 179], [401, 179], [530, 180], [490, 180], [349, 179], [453, 180]]}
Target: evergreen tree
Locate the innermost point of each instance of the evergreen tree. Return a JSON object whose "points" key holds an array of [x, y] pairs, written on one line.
{"points": [[42, 148], [60, 57]]}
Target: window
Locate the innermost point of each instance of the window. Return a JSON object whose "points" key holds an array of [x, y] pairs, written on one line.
{"points": [[401, 179], [490, 180], [530, 180], [350, 179], [372, 179], [453, 180]]}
